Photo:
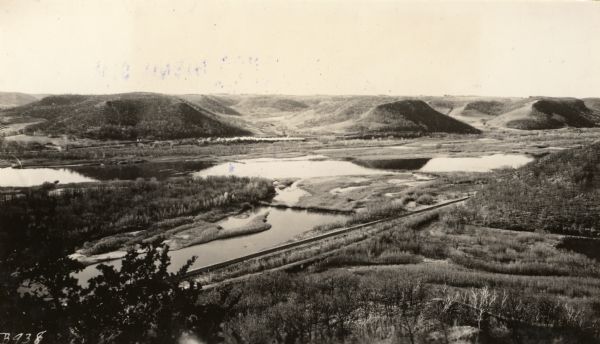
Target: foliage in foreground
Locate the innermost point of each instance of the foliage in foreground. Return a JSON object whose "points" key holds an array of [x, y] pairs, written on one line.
{"points": [[140, 303], [341, 306], [144, 303]]}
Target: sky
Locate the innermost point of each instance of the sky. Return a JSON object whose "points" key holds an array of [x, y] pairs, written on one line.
{"points": [[509, 48]]}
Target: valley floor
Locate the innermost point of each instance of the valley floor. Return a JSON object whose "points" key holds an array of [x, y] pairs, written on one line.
{"points": [[459, 281]]}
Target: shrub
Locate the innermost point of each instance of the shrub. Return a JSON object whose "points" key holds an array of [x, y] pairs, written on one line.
{"points": [[426, 199]]}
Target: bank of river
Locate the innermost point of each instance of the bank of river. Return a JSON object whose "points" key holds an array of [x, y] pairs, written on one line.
{"points": [[285, 225]]}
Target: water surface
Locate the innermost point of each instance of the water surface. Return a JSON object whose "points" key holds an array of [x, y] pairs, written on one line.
{"points": [[301, 167], [285, 225], [484, 163], [394, 164], [273, 168], [289, 195], [25, 177], [147, 170]]}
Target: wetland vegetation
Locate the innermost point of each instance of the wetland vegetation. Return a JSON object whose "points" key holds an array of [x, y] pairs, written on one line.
{"points": [[101, 218], [342, 179], [484, 271]]}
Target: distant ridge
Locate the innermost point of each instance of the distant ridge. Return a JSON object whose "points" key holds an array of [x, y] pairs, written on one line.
{"points": [[593, 104], [487, 107], [269, 103], [125, 116], [12, 99], [158, 116]]}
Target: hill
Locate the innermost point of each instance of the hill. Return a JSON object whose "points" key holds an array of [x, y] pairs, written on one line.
{"points": [[359, 114], [594, 105], [12, 99], [411, 116], [269, 104], [211, 103], [149, 115], [125, 116], [344, 108], [559, 193], [340, 109], [486, 107], [548, 113]]}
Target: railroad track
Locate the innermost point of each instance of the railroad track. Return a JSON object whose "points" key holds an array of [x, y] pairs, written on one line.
{"points": [[212, 267]]}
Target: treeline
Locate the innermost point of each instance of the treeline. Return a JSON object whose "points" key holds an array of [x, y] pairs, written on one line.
{"points": [[80, 151], [79, 214], [155, 130]]}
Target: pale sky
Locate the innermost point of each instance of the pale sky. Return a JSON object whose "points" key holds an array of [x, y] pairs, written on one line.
{"points": [[301, 47]]}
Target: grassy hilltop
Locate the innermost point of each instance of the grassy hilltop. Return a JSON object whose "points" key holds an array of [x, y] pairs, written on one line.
{"points": [[125, 116], [551, 113], [412, 115]]}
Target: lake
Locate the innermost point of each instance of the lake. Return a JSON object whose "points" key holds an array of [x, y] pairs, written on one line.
{"points": [[286, 223], [289, 195], [23, 177], [158, 170], [17, 177], [319, 166], [484, 163], [273, 168], [277, 168]]}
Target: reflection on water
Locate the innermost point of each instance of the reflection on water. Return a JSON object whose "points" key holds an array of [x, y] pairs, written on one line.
{"points": [[289, 195], [394, 164], [303, 167], [158, 170], [449, 164], [285, 225], [300, 167], [476, 164], [22, 177]]}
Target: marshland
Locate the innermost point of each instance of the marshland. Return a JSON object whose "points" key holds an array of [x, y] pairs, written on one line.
{"points": [[294, 172], [489, 268]]}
